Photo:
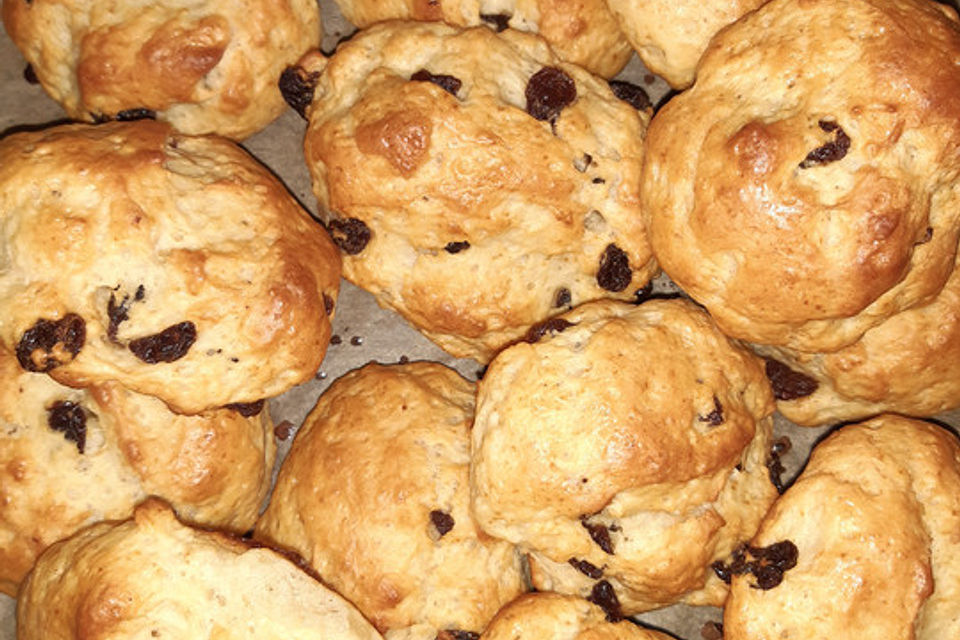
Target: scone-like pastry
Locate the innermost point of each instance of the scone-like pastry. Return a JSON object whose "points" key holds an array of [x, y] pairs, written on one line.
{"points": [[152, 577], [374, 495], [909, 364], [71, 457], [815, 189], [544, 616], [671, 35], [475, 182], [873, 522], [625, 449], [583, 32], [209, 66], [176, 265]]}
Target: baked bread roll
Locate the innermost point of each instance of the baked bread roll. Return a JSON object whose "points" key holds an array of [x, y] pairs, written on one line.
{"points": [[152, 577], [815, 191], [476, 183], [625, 448], [583, 32], [205, 67], [543, 616], [873, 520], [194, 276], [72, 457], [671, 35], [374, 494]]}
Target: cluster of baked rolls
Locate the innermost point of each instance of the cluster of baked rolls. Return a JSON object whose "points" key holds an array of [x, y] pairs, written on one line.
{"points": [[478, 172]]}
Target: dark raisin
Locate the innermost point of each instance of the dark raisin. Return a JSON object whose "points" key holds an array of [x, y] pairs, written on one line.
{"points": [[442, 521], [767, 564], [548, 92], [586, 568], [327, 304], [335, 339], [403, 360], [283, 430], [246, 409], [117, 313], [715, 417], [167, 346], [788, 384], [350, 234], [632, 94], [562, 298], [553, 325], [70, 419], [456, 247], [831, 151], [30, 75], [450, 84], [51, 343], [296, 87], [599, 181], [140, 113], [356, 341], [643, 294], [457, 634], [599, 533], [605, 597], [500, 21], [614, 273], [775, 470]]}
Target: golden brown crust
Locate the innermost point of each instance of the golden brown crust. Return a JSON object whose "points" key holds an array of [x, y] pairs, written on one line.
{"points": [[374, 495], [151, 577], [71, 457], [161, 231], [552, 615], [478, 215], [207, 67], [874, 517], [812, 193], [583, 32], [632, 438], [671, 35]]}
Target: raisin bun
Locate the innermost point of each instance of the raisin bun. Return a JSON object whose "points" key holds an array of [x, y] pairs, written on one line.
{"points": [[194, 276], [209, 66], [475, 182], [815, 189], [153, 577], [671, 35], [374, 494], [625, 448], [545, 616], [71, 457], [583, 32], [872, 522], [909, 364]]}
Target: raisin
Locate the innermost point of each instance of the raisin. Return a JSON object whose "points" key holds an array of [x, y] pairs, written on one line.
{"points": [[605, 597], [117, 313], [548, 92], [139, 113], [283, 430], [30, 75], [553, 325], [788, 384], [599, 533], [51, 343], [356, 341], [246, 409], [350, 234], [586, 568], [450, 84], [768, 564], [715, 417], [296, 87], [831, 151], [456, 247], [500, 21], [442, 521], [335, 339], [457, 634], [630, 93], [562, 298], [69, 418], [167, 346], [327, 304], [774, 465], [614, 273]]}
